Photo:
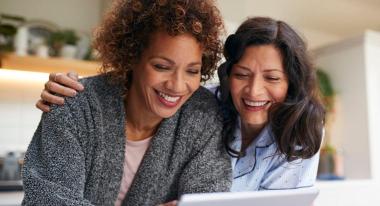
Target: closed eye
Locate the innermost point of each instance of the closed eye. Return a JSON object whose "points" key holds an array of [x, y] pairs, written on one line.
{"points": [[274, 79], [161, 67], [193, 71], [240, 75]]}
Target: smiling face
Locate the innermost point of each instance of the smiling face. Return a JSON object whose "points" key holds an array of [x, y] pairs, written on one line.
{"points": [[257, 81], [167, 74]]}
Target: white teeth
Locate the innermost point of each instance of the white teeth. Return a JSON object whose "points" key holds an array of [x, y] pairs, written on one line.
{"points": [[255, 103], [168, 98]]}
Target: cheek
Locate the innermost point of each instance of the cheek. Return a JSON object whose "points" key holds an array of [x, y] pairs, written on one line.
{"points": [[142, 75], [280, 93], [152, 77], [235, 90], [194, 83]]}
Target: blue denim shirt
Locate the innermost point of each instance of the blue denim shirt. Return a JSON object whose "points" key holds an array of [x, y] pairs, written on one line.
{"points": [[264, 169]]}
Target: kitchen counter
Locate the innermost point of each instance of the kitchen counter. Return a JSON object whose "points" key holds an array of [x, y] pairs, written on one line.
{"points": [[11, 198]]}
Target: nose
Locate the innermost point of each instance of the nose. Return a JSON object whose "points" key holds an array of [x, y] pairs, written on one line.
{"points": [[255, 86], [176, 83]]}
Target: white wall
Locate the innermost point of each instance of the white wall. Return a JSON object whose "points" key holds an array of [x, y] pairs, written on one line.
{"points": [[81, 15], [372, 51], [318, 38], [354, 69], [18, 117], [321, 22]]}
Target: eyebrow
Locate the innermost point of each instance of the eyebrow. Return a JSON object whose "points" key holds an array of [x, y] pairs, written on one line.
{"points": [[242, 67], [274, 70], [173, 63], [265, 70]]}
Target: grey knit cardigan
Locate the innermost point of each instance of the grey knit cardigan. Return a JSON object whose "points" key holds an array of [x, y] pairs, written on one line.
{"points": [[77, 152]]}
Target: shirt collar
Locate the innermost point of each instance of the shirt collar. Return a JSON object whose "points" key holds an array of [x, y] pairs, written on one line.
{"points": [[264, 139]]}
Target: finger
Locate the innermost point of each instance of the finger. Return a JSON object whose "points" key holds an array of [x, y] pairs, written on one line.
{"points": [[73, 75], [47, 97], [64, 79], [53, 87], [43, 107], [68, 81], [52, 76]]}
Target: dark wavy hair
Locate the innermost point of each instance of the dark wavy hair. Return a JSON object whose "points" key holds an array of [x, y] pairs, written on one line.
{"points": [[129, 24], [297, 123]]}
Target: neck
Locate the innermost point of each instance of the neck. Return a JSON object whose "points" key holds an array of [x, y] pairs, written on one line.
{"points": [[249, 133], [140, 124]]}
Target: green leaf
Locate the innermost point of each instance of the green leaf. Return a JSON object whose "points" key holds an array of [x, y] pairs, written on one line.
{"points": [[324, 82]]}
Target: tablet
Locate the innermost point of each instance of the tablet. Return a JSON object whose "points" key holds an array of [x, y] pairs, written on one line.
{"points": [[291, 197]]}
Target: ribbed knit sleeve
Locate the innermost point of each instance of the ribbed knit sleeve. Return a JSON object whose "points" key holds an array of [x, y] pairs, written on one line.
{"points": [[54, 170], [209, 168]]}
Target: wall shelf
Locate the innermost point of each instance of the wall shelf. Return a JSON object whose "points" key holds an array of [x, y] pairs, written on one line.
{"points": [[48, 65]]}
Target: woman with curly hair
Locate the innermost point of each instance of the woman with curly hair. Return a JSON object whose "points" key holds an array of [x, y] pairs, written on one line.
{"points": [[273, 118], [143, 132]]}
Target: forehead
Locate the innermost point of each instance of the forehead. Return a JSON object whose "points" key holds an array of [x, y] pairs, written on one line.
{"points": [[182, 44], [263, 56]]}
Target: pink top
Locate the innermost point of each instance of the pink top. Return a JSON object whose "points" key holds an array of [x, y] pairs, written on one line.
{"points": [[134, 153]]}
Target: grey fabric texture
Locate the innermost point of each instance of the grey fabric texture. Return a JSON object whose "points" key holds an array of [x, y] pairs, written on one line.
{"points": [[76, 154]]}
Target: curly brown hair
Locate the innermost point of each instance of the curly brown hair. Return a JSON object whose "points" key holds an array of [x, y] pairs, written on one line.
{"points": [[127, 27]]}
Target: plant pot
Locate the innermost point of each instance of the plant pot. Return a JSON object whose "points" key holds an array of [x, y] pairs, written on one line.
{"points": [[68, 51], [330, 165]]}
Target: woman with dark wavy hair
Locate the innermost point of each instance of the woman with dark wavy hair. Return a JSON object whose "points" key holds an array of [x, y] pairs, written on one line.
{"points": [[273, 116], [143, 132]]}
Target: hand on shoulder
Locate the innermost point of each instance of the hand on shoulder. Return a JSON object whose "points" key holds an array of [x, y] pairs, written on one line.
{"points": [[65, 84]]}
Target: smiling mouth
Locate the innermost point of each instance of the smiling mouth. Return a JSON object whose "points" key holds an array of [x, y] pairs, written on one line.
{"points": [[168, 100], [255, 105]]}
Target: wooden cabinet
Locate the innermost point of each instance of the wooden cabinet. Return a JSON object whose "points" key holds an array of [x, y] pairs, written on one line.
{"points": [[48, 65]]}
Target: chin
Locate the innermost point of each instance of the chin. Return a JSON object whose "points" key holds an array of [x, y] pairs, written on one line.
{"points": [[254, 121], [165, 113]]}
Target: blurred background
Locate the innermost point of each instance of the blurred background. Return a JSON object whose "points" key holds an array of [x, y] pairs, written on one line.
{"points": [[42, 36]]}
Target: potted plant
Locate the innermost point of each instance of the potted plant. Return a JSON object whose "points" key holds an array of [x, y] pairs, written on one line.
{"points": [[8, 30], [326, 90], [328, 156], [63, 43]]}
